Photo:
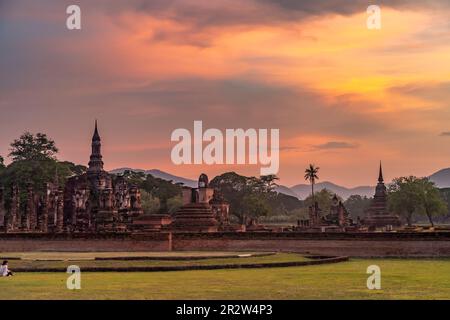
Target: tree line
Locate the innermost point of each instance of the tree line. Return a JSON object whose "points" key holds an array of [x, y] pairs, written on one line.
{"points": [[410, 197], [34, 161]]}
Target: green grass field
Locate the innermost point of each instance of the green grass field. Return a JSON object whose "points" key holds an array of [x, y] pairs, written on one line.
{"points": [[401, 279]]}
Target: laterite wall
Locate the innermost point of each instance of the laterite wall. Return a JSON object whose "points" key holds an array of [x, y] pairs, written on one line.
{"points": [[354, 245]]}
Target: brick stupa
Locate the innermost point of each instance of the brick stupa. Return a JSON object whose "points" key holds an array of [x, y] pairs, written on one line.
{"points": [[378, 214]]}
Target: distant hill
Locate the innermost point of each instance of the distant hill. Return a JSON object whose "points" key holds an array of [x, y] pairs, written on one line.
{"points": [[160, 174], [286, 190], [441, 178], [304, 190], [301, 191]]}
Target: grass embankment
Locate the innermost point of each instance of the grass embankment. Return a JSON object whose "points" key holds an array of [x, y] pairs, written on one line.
{"points": [[401, 279], [38, 264]]}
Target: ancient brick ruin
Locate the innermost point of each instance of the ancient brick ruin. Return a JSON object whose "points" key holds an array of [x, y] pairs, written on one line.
{"points": [[203, 210], [91, 202], [378, 213], [98, 202], [337, 218]]}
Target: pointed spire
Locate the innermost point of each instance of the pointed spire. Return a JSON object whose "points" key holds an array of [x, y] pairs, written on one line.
{"points": [[96, 163], [380, 175], [96, 136]]}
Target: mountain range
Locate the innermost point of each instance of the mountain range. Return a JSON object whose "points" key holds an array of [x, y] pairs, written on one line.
{"points": [[441, 178], [304, 190], [162, 175]]}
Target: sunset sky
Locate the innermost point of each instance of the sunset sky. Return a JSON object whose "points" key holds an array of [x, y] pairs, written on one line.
{"points": [[344, 97]]}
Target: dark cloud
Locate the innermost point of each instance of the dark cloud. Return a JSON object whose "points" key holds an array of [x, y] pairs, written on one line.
{"points": [[445, 134], [202, 16], [335, 145], [206, 16], [224, 12], [345, 7], [220, 12]]}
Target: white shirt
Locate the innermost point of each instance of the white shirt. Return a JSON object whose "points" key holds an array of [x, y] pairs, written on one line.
{"points": [[4, 271]]}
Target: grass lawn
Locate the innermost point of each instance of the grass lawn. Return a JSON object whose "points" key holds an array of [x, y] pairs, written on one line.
{"points": [[401, 279]]}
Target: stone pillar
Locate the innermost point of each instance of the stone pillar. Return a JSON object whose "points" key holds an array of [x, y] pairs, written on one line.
{"points": [[31, 212], [135, 202], [43, 215], [135, 194], [44, 203], [13, 215], [60, 211], [106, 202]]}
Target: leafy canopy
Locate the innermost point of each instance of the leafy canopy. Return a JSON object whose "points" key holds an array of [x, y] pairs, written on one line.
{"points": [[409, 196], [31, 147], [34, 161]]}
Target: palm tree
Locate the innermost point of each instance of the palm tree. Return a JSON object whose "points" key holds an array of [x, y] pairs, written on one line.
{"points": [[311, 176]]}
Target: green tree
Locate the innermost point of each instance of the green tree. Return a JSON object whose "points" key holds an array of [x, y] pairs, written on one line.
{"points": [[404, 197], [237, 190], [357, 205], [159, 189], [311, 176], [2, 165], [324, 199], [445, 194], [254, 206], [432, 202], [31, 147], [269, 181], [75, 169], [233, 187], [36, 173], [150, 204], [134, 177], [34, 161]]}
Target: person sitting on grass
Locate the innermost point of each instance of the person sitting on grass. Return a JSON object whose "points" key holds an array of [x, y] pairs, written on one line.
{"points": [[4, 271]]}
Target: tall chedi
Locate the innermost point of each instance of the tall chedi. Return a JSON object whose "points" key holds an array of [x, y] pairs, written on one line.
{"points": [[96, 162], [378, 213]]}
